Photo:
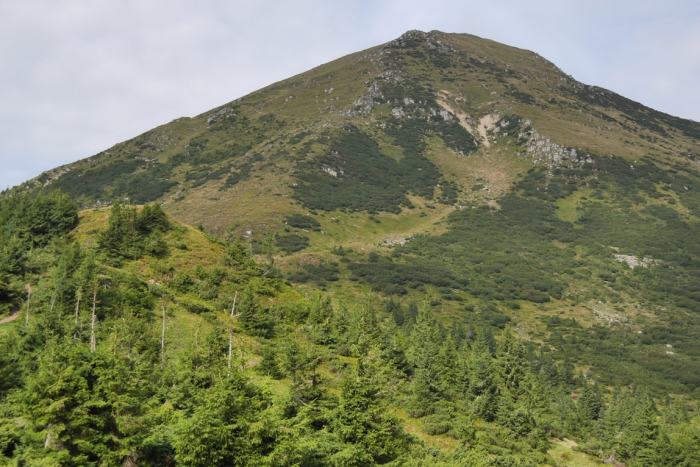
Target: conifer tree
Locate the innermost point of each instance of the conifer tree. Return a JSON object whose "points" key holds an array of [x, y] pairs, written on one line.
{"points": [[510, 362], [364, 328], [369, 436], [447, 360], [642, 431], [482, 385], [427, 384], [395, 310], [269, 363], [152, 218], [509, 415], [534, 392], [393, 350], [590, 403], [412, 312], [252, 317], [292, 359], [237, 255], [220, 430], [121, 238], [341, 328], [458, 335], [616, 419], [565, 374], [320, 318]]}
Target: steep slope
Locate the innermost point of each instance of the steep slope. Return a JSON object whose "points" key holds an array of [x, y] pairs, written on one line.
{"points": [[454, 169], [234, 165]]}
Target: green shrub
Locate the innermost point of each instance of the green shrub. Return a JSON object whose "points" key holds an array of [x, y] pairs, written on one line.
{"points": [[291, 243]]}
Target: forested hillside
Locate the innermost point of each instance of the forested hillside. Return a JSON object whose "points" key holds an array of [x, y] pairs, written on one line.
{"points": [[438, 251], [144, 342]]}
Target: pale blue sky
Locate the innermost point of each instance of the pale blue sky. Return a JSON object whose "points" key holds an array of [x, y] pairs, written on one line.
{"points": [[77, 77]]}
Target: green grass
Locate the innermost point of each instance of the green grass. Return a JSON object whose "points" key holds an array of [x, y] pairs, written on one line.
{"points": [[568, 209], [564, 455]]}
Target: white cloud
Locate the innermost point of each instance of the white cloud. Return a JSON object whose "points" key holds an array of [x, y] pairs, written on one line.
{"points": [[76, 77]]}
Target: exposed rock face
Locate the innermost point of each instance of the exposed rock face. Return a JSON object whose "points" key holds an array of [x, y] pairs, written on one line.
{"points": [[602, 313], [398, 112], [374, 89], [394, 241], [543, 150], [222, 113], [633, 261], [445, 115], [332, 172], [366, 102]]}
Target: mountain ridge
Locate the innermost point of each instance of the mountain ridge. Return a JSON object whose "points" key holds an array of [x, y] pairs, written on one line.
{"points": [[588, 92]]}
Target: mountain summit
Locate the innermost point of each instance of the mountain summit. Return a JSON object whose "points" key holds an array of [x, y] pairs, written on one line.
{"points": [[428, 115]]}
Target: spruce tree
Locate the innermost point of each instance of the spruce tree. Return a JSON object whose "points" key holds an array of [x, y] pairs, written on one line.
{"points": [[616, 419], [269, 363], [292, 359], [412, 312], [226, 429], [590, 403], [458, 335], [534, 392], [367, 433], [320, 318], [252, 317], [395, 310], [643, 429], [427, 384], [509, 415], [447, 361], [364, 327], [482, 386], [510, 362], [152, 218], [340, 327]]}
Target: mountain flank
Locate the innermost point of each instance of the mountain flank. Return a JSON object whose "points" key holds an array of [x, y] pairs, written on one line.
{"points": [[438, 251], [456, 91]]}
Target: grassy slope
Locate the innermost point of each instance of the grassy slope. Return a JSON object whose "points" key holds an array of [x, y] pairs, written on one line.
{"points": [[259, 204]]}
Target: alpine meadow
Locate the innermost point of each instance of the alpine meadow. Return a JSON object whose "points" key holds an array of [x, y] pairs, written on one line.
{"points": [[440, 251]]}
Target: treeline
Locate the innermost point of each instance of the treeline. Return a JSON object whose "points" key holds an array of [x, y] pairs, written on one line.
{"points": [[90, 375], [492, 261]]}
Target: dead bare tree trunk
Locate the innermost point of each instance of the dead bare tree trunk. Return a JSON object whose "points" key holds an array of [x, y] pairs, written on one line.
{"points": [[611, 459], [92, 332], [162, 340], [29, 299], [78, 293], [196, 349], [77, 304], [230, 334]]}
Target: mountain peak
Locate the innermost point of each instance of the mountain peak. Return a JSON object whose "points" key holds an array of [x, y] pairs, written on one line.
{"points": [[446, 102], [447, 169]]}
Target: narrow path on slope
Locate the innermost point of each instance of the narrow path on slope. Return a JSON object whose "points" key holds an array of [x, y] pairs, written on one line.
{"points": [[12, 317]]}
